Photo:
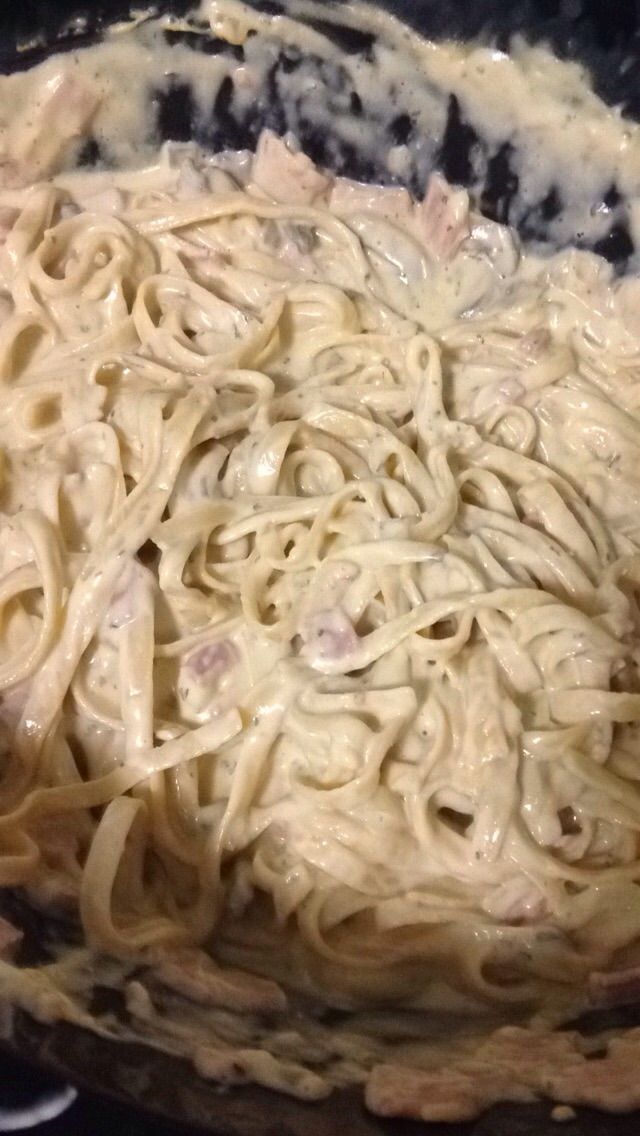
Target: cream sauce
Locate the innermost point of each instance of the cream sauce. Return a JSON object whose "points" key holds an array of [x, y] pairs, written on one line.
{"points": [[552, 121], [318, 570]]}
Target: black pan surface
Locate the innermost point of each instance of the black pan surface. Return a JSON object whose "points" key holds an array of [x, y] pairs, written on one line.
{"points": [[127, 1089], [603, 35]]}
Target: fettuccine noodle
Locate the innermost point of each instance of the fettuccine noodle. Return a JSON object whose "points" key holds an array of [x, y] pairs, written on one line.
{"points": [[318, 577]]}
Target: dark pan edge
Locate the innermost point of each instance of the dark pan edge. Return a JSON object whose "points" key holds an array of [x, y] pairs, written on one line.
{"points": [[166, 1087]]}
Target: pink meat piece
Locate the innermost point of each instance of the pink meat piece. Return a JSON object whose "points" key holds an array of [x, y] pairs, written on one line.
{"points": [[535, 343], [513, 1064], [196, 976], [60, 118], [212, 661], [284, 175], [70, 107], [328, 636], [510, 390], [130, 594], [506, 1067], [609, 1082], [10, 936], [447, 1096], [442, 218], [533, 518], [615, 988], [191, 182], [292, 250], [391, 202]]}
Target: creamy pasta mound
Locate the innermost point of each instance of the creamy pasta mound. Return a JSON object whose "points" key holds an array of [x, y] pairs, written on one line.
{"points": [[320, 518]]}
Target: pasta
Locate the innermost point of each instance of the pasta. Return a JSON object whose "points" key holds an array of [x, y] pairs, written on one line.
{"points": [[318, 584], [298, 584]]}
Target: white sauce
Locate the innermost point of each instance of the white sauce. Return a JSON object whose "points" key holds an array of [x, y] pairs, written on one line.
{"points": [[320, 543]]}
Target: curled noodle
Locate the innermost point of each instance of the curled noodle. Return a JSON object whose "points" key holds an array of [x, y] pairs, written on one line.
{"points": [[317, 596]]}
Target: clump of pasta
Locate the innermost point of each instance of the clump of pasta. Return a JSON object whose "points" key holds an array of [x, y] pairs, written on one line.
{"points": [[318, 579]]}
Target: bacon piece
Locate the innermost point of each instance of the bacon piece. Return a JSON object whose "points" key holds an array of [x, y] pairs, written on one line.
{"points": [[193, 974], [284, 175]]}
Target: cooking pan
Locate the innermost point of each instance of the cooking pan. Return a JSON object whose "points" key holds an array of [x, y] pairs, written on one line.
{"points": [[606, 39]]}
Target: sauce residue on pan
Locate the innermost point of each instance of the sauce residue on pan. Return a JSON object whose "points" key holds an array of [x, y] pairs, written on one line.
{"points": [[321, 513]]}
